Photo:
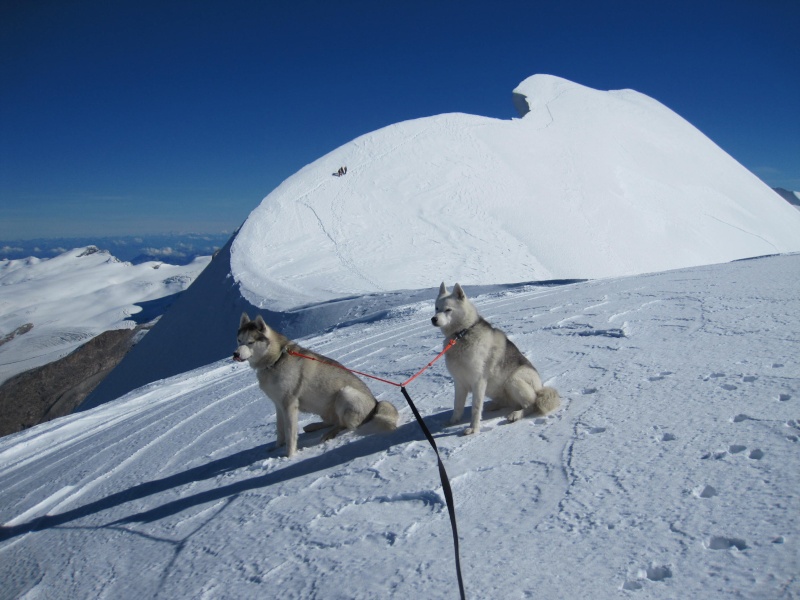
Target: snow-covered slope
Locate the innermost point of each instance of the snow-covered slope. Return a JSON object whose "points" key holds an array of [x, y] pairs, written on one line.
{"points": [[671, 471], [586, 184], [792, 198], [49, 307]]}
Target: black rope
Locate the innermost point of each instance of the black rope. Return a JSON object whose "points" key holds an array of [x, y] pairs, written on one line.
{"points": [[448, 493]]}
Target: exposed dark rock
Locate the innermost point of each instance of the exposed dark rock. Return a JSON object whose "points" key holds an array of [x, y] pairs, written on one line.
{"points": [[57, 388], [21, 330]]}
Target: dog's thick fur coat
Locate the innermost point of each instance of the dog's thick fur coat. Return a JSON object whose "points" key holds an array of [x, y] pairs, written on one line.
{"points": [[486, 363], [320, 386]]}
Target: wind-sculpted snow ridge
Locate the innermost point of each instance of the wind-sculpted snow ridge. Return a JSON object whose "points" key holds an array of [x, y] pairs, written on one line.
{"points": [[587, 184], [671, 471]]}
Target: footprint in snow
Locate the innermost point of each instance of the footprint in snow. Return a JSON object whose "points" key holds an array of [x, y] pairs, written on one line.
{"points": [[726, 543], [657, 572], [662, 375], [719, 375], [631, 586], [715, 455], [756, 454], [784, 397], [652, 573], [707, 491]]}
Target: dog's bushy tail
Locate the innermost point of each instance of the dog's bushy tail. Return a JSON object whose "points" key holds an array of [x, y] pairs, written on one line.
{"points": [[547, 400], [385, 417]]}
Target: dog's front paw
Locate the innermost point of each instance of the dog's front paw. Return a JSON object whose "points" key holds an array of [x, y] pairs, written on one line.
{"points": [[471, 430], [454, 420], [515, 416]]}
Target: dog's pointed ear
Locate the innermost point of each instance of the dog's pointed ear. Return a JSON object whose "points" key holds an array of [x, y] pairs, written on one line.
{"points": [[442, 290], [459, 292], [261, 325], [244, 320]]}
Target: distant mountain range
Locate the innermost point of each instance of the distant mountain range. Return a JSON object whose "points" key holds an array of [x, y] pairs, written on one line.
{"points": [[172, 248], [66, 321]]}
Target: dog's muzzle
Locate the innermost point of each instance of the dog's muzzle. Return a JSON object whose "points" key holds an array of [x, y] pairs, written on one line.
{"points": [[433, 321], [242, 354]]}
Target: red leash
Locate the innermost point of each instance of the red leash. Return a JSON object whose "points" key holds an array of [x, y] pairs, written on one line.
{"points": [[450, 344]]}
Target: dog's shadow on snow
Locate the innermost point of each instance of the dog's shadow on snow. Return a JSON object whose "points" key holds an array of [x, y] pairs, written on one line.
{"points": [[296, 467]]}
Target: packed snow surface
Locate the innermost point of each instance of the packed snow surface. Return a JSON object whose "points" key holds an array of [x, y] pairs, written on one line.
{"points": [[49, 307], [587, 184], [671, 471]]}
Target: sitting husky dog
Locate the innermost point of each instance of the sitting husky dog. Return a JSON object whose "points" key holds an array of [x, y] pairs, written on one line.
{"points": [[485, 362], [320, 386]]}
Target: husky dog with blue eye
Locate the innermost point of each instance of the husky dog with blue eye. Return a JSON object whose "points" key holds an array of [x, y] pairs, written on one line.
{"points": [[310, 383], [486, 363]]}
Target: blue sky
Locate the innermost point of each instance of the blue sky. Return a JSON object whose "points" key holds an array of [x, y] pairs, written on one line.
{"points": [[125, 118]]}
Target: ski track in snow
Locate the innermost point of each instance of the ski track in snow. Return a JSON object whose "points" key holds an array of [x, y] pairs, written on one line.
{"points": [[670, 470]]}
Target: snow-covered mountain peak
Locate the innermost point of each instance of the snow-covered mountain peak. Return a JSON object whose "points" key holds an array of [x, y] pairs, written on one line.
{"points": [[89, 250], [539, 90], [587, 184]]}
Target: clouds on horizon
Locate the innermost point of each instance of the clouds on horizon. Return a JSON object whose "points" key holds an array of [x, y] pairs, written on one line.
{"points": [[176, 248]]}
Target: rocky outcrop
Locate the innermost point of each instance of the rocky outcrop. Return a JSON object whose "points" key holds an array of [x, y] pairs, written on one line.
{"points": [[21, 330], [56, 389]]}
